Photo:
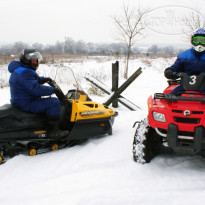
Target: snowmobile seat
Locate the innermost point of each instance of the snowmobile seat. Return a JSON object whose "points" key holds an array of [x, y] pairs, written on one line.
{"points": [[12, 119]]}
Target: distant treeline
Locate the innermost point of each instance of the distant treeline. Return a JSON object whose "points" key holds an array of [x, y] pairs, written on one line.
{"points": [[69, 46]]}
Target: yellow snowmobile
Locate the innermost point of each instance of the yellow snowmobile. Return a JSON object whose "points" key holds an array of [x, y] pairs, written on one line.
{"points": [[26, 132]]}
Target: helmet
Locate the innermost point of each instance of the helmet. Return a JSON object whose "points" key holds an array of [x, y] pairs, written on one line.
{"points": [[198, 40], [31, 57]]}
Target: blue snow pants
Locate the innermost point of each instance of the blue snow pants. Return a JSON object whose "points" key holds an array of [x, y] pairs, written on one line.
{"points": [[49, 106]]}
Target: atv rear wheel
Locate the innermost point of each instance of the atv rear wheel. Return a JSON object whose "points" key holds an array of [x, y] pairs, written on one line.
{"points": [[146, 144]]}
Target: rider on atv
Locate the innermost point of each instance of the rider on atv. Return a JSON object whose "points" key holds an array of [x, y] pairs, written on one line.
{"points": [[191, 61], [26, 90]]}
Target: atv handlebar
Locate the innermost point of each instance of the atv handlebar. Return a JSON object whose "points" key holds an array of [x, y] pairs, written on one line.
{"points": [[181, 75], [178, 75], [191, 82]]}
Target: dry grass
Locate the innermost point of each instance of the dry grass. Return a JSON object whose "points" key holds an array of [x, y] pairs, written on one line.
{"points": [[146, 62], [150, 56], [6, 59], [66, 58]]}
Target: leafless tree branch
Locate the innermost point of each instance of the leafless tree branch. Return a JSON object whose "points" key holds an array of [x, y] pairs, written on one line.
{"points": [[193, 21], [129, 27]]}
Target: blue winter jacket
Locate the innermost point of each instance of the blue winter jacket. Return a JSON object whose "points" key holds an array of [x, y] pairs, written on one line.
{"points": [[190, 62], [26, 85]]}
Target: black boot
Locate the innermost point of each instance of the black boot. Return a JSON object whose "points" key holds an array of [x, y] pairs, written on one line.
{"points": [[53, 128]]}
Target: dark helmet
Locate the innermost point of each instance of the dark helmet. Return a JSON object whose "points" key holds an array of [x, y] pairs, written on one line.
{"points": [[198, 40], [30, 57]]}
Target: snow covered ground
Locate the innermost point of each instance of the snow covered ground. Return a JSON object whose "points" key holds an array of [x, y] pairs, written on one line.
{"points": [[101, 171]]}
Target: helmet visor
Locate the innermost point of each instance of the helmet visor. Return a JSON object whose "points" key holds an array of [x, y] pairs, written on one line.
{"points": [[34, 55], [198, 40]]}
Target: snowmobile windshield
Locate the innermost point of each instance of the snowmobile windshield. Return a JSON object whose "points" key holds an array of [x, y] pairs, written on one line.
{"points": [[72, 86], [199, 39]]}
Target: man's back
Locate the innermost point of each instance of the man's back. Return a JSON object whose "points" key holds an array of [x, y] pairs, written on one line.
{"points": [[24, 85]]}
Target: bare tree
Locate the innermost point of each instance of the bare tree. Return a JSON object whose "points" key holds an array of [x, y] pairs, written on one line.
{"points": [[19, 46], [59, 47], [129, 27], [38, 46], [81, 47], [69, 45], [154, 49], [193, 21]]}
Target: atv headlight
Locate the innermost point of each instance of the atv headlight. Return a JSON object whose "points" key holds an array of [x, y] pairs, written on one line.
{"points": [[159, 117]]}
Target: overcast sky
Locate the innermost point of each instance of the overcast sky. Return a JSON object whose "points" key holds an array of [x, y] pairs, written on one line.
{"points": [[48, 21]]}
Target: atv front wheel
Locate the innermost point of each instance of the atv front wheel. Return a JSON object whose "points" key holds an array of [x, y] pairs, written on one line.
{"points": [[146, 144]]}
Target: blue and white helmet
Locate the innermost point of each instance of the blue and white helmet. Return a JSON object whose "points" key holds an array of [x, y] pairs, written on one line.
{"points": [[198, 40]]}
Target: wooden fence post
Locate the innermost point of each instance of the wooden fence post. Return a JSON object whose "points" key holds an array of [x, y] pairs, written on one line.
{"points": [[123, 87], [115, 80]]}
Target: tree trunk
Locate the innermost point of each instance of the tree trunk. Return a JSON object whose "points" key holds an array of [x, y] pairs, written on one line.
{"points": [[128, 57]]}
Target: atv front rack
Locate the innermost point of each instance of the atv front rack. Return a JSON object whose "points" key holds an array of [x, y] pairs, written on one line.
{"points": [[175, 98]]}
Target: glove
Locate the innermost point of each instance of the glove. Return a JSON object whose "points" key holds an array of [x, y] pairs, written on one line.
{"points": [[168, 73], [179, 75], [47, 80]]}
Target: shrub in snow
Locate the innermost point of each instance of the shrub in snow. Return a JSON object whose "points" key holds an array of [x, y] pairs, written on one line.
{"points": [[92, 90]]}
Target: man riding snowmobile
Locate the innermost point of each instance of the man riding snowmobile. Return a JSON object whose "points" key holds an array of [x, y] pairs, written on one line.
{"points": [[191, 61], [27, 88]]}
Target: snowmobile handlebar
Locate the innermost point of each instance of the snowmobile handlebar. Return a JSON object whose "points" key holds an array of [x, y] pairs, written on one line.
{"points": [[52, 83], [57, 90]]}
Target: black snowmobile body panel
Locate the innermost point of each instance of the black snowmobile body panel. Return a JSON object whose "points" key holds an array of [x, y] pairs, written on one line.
{"points": [[17, 124], [13, 119], [84, 129]]}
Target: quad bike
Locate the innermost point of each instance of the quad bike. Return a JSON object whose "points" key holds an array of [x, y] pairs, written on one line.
{"points": [[176, 121], [22, 132]]}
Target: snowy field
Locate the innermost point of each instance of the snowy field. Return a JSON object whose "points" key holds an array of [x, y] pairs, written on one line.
{"points": [[101, 171]]}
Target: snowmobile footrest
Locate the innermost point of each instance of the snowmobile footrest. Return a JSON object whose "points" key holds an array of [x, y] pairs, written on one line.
{"points": [[172, 135]]}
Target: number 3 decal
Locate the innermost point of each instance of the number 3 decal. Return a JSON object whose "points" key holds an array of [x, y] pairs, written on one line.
{"points": [[193, 77]]}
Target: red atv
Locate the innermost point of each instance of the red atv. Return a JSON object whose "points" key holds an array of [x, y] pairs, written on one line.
{"points": [[175, 122]]}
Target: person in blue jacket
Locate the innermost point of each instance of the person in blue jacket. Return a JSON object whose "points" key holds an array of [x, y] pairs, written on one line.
{"points": [[26, 89], [191, 61]]}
